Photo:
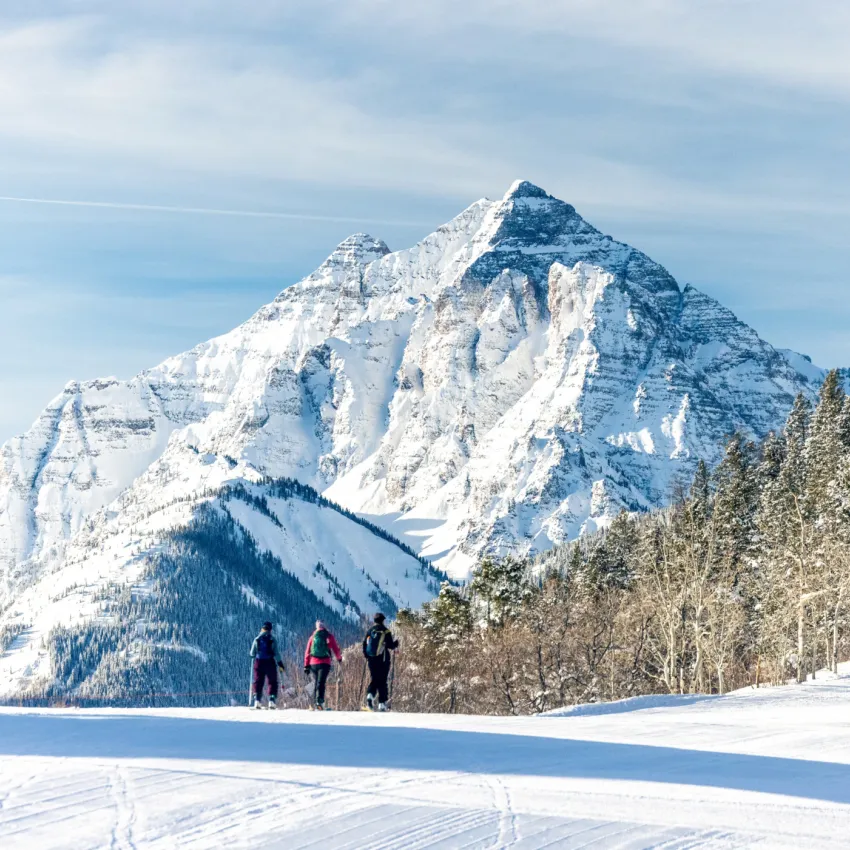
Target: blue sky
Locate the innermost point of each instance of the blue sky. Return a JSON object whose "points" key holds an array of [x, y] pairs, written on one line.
{"points": [[712, 135]]}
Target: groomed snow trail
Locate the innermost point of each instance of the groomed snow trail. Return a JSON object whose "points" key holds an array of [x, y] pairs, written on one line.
{"points": [[767, 769]]}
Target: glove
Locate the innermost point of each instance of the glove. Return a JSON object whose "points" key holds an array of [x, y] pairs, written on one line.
{"points": [[280, 666], [306, 671]]}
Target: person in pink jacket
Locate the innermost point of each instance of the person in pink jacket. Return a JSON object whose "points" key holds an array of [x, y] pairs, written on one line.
{"points": [[317, 660]]}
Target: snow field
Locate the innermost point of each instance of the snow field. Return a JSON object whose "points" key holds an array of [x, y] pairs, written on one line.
{"points": [[767, 768]]}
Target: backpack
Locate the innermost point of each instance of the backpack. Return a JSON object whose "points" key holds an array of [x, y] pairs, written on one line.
{"points": [[375, 640], [319, 647], [265, 646]]}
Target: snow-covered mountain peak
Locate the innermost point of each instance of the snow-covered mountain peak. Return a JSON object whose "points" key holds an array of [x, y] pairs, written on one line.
{"points": [[529, 219], [512, 379], [357, 250], [524, 189], [344, 264]]}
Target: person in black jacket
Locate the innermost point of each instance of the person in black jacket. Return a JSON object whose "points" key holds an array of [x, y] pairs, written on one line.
{"points": [[267, 661], [377, 646]]}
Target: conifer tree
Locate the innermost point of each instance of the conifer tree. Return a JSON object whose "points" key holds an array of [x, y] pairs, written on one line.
{"points": [[735, 500], [700, 493], [609, 564], [448, 626], [784, 524], [824, 445], [501, 585]]}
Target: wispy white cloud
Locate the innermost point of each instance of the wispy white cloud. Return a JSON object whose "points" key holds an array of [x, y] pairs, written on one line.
{"points": [[711, 134], [437, 97], [73, 86], [159, 208], [782, 42]]}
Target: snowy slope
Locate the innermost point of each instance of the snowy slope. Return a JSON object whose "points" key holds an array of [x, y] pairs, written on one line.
{"points": [[767, 768], [512, 380], [248, 551]]}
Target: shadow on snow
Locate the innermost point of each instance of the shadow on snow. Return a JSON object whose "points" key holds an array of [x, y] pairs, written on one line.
{"points": [[407, 748]]}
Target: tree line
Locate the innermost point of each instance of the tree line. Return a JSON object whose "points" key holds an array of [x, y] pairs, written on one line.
{"points": [[182, 634], [290, 488], [743, 580]]}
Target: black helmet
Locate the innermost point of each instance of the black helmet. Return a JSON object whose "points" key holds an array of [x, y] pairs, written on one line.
{"points": [[379, 617], [267, 626]]}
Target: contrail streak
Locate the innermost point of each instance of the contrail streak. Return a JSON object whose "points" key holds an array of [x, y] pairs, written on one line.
{"points": [[113, 205]]}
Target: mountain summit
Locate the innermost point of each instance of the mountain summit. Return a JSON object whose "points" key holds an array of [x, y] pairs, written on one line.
{"points": [[512, 380]]}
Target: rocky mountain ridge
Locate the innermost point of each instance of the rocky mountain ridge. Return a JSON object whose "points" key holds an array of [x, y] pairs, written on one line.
{"points": [[513, 379]]}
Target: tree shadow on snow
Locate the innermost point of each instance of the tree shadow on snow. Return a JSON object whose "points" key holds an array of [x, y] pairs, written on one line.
{"points": [[370, 747]]}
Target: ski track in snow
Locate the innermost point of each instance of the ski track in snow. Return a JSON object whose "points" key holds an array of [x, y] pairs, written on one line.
{"points": [[122, 832], [767, 769]]}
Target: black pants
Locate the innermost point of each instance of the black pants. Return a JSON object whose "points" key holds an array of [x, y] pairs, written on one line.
{"points": [[265, 668], [379, 670], [320, 673]]}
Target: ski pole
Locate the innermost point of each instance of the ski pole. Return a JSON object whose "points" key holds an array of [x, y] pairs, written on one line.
{"points": [[392, 680], [362, 680], [251, 683]]}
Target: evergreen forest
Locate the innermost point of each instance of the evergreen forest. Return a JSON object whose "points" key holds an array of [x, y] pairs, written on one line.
{"points": [[743, 580]]}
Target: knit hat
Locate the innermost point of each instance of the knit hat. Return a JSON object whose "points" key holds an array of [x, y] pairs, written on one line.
{"points": [[379, 617], [320, 624], [267, 626]]}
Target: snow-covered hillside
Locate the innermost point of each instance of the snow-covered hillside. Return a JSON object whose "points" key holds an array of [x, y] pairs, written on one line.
{"points": [[512, 380], [166, 590], [767, 768]]}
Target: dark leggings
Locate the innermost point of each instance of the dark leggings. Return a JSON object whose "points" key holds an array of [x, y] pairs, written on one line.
{"points": [[320, 673], [265, 668], [379, 670]]}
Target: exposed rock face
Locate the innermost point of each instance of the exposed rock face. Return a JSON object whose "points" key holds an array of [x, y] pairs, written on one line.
{"points": [[513, 379]]}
